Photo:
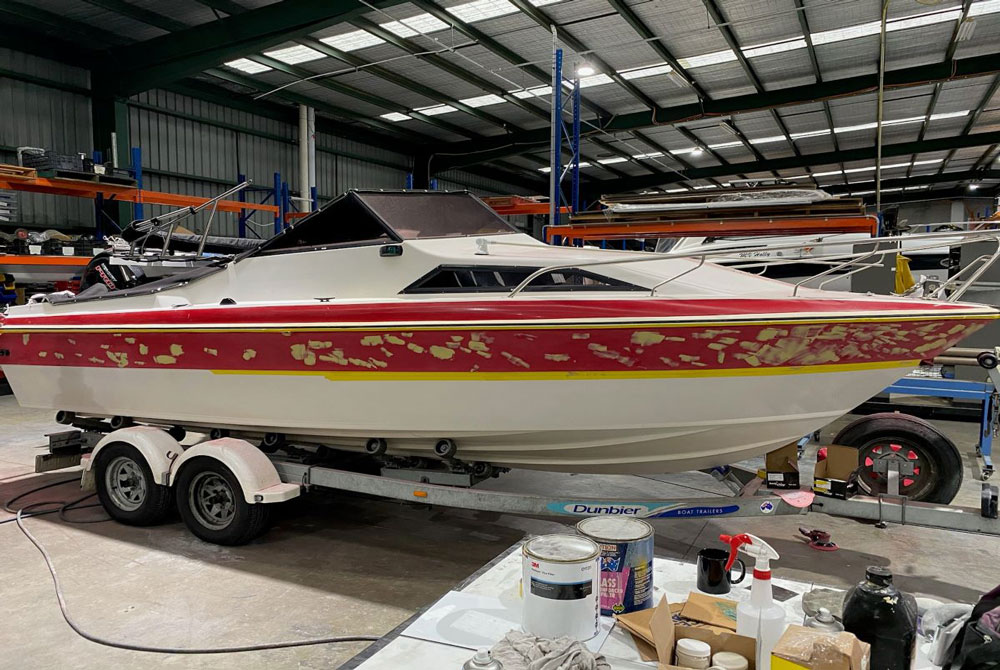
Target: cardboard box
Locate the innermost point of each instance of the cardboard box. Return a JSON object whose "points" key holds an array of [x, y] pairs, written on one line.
{"points": [[802, 648], [836, 476], [781, 467], [655, 635], [718, 612]]}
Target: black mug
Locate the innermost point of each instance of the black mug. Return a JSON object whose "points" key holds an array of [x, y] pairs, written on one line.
{"points": [[712, 574]]}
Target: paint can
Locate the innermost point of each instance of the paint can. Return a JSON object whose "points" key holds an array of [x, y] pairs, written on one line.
{"points": [[626, 562], [560, 575]]}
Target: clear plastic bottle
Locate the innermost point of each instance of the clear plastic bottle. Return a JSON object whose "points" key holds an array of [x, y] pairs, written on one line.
{"points": [[879, 614]]}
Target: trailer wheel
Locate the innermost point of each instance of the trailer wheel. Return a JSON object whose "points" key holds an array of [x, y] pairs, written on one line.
{"points": [[126, 488], [211, 503], [937, 463]]}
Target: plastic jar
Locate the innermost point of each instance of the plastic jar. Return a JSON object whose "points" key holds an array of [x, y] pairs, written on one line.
{"points": [[729, 660], [693, 654]]}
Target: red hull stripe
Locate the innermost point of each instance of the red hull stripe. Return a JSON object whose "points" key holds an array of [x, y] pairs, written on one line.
{"points": [[517, 310]]}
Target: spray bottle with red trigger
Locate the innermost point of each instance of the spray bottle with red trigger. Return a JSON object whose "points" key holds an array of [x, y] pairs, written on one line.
{"points": [[760, 617]]}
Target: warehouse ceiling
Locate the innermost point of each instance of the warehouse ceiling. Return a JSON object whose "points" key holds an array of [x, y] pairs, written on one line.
{"points": [[676, 94]]}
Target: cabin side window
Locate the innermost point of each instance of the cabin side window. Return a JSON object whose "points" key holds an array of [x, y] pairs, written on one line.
{"points": [[485, 279]]}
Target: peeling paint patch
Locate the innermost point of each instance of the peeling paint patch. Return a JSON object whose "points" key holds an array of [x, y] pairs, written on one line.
{"points": [[936, 344], [249, 354], [689, 359], [95, 359], [211, 352], [140, 363], [415, 348], [27, 338], [770, 333], [485, 354], [105, 346], [392, 339], [515, 360], [456, 338], [360, 363], [78, 355], [71, 341], [163, 359], [337, 356], [317, 344], [669, 361], [43, 354], [118, 358], [301, 353], [143, 349], [443, 353], [386, 352], [581, 336], [371, 341], [377, 363], [716, 346], [646, 338], [475, 345], [129, 340], [593, 346], [58, 356], [406, 334], [176, 350]]}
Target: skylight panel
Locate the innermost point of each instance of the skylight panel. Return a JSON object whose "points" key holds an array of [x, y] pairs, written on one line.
{"points": [[352, 41], [811, 133], [775, 48], [923, 20], [847, 33], [647, 71], [542, 3], [247, 65], [480, 10], [536, 92], [949, 115], [295, 54], [434, 110], [713, 58], [395, 116], [415, 25], [482, 100], [984, 7], [595, 80], [612, 161]]}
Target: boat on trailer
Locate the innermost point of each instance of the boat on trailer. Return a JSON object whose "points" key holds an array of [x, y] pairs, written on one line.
{"points": [[420, 324]]}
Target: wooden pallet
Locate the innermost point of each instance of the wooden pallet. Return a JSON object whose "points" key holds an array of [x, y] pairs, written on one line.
{"points": [[17, 171]]}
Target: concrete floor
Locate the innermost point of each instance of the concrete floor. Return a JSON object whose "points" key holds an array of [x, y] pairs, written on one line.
{"points": [[339, 564]]}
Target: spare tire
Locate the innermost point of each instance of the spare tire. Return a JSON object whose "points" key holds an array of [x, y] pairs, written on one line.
{"points": [[937, 463]]}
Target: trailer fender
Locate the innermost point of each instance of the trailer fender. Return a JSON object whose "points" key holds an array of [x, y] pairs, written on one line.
{"points": [[256, 473], [155, 445]]}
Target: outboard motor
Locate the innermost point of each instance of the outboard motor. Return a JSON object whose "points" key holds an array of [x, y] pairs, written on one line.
{"points": [[100, 271]]}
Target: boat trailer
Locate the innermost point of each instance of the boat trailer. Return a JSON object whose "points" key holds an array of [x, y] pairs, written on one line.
{"points": [[268, 478]]}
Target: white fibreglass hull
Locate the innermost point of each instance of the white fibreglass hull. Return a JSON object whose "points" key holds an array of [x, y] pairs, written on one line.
{"points": [[652, 425]]}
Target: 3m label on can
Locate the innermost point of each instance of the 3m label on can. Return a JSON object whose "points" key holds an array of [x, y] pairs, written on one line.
{"points": [[577, 591]]}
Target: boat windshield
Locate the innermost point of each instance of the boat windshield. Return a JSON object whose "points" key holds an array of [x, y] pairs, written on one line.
{"points": [[381, 217]]}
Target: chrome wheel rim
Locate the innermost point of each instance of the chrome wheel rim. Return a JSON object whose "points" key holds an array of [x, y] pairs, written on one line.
{"points": [[212, 500], [125, 483]]}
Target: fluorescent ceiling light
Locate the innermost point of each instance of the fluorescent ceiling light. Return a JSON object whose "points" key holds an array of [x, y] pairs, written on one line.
{"points": [[713, 58], [866, 169], [482, 100], [434, 110], [766, 140], [984, 7], [247, 65], [702, 188], [923, 20], [676, 190], [846, 33], [295, 54], [826, 174], [654, 154], [646, 71], [775, 48], [352, 41], [545, 169], [595, 80], [585, 71], [395, 116], [725, 145], [415, 25], [973, 187], [480, 10], [928, 162], [612, 161], [862, 192], [914, 188], [697, 151]]}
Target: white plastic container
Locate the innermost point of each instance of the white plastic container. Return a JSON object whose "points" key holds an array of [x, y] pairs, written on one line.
{"points": [[560, 583], [760, 617], [729, 660], [690, 653]]}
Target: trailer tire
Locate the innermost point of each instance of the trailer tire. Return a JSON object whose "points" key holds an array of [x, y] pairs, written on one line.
{"points": [[211, 503], [126, 488], [940, 463]]}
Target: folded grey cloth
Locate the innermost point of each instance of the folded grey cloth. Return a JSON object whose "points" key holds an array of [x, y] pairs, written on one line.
{"points": [[523, 651]]}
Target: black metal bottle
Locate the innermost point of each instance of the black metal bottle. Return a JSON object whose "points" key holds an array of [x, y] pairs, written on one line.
{"points": [[881, 615]]}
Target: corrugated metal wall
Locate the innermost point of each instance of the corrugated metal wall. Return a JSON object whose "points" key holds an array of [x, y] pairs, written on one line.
{"points": [[41, 116]]}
